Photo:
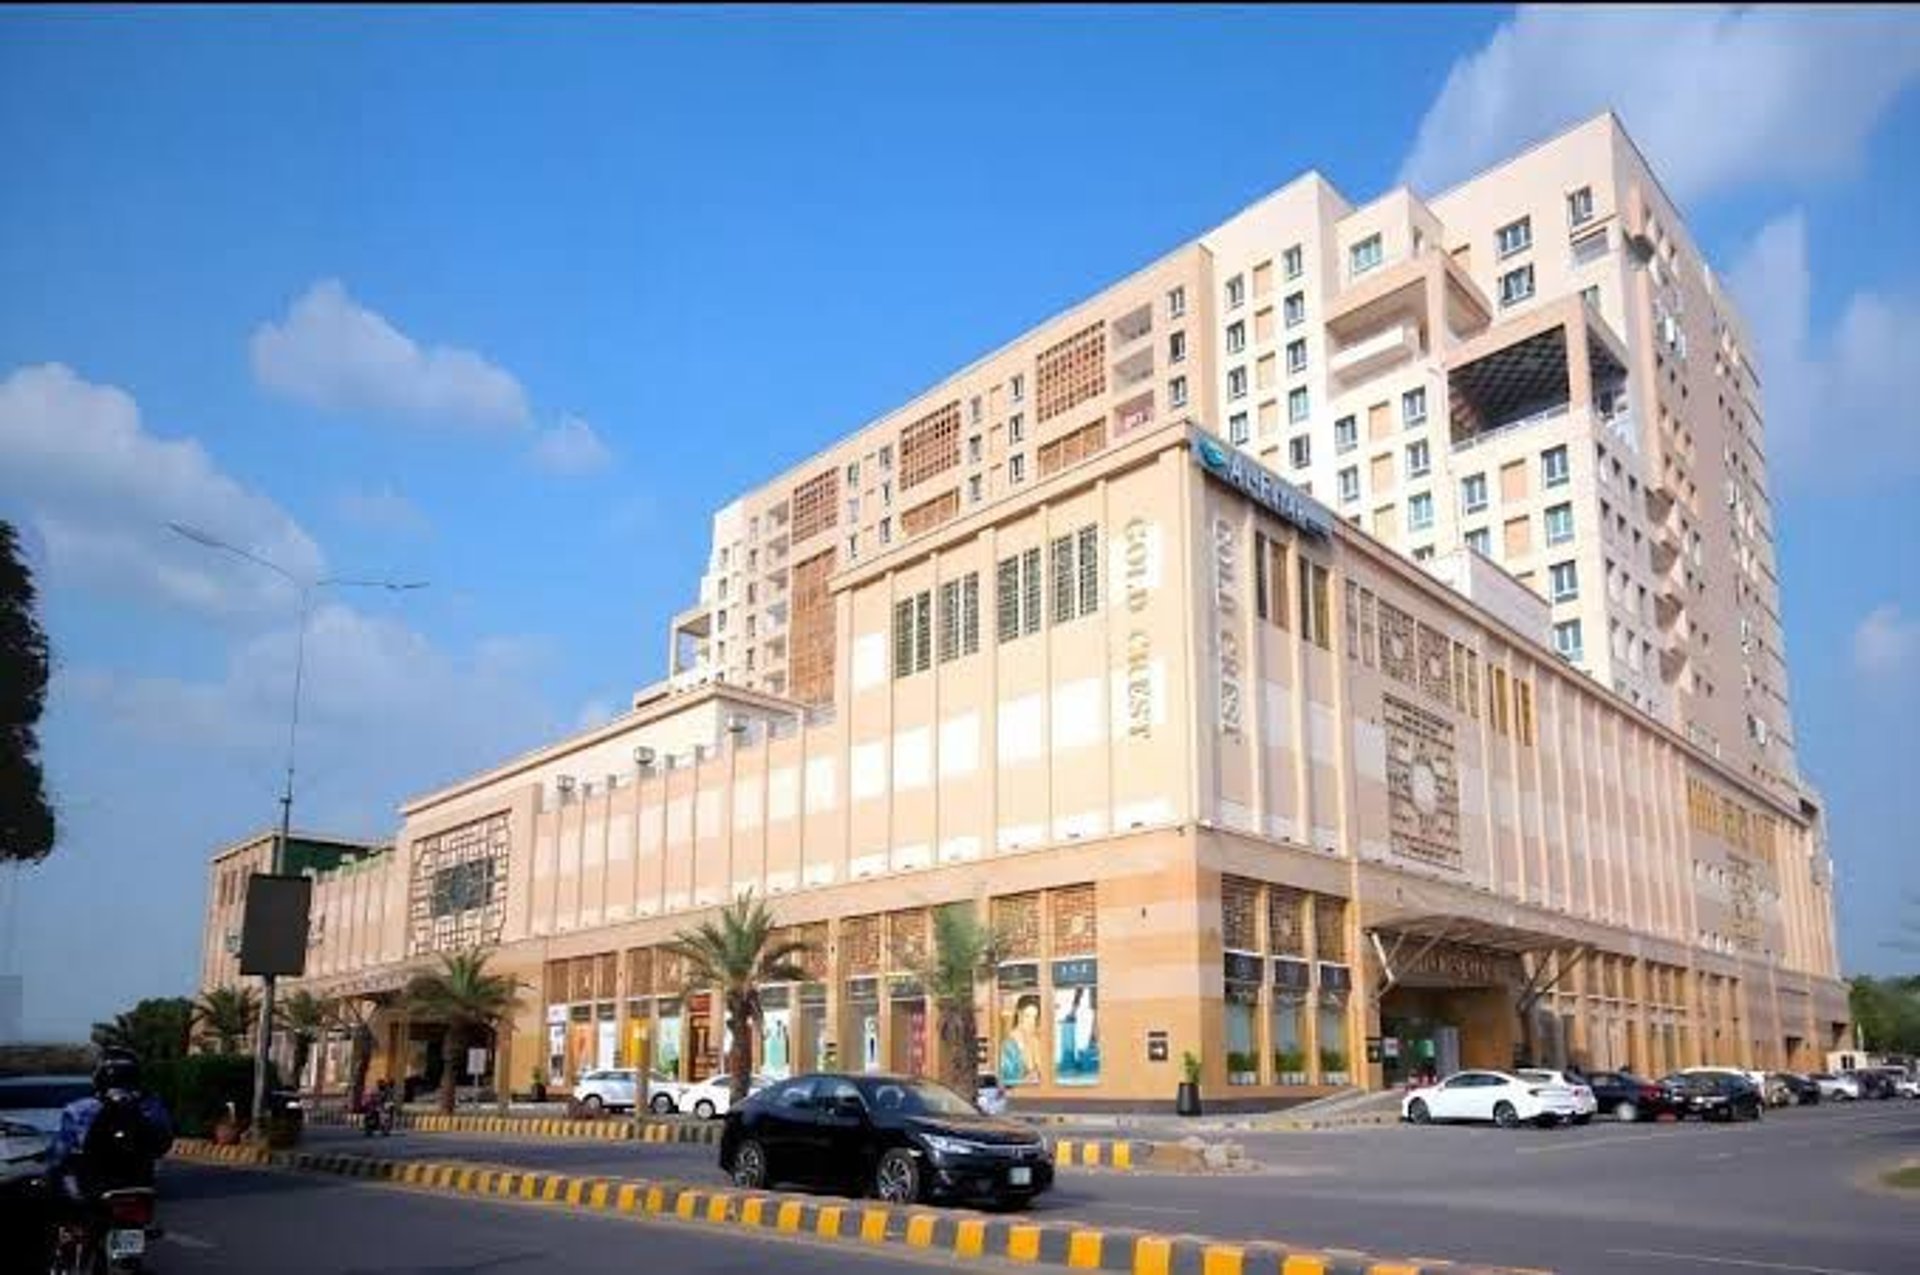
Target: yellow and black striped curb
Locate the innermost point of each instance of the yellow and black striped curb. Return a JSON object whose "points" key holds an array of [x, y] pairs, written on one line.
{"points": [[612, 1129], [959, 1234]]}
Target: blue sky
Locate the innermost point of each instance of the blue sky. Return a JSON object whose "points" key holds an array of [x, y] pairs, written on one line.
{"points": [[510, 301]]}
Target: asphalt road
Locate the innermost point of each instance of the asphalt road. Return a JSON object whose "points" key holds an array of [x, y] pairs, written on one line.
{"points": [[1785, 1195], [224, 1221]]}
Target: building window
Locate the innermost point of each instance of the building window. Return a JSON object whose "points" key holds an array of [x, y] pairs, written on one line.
{"points": [[1017, 595], [913, 634], [1294, 309], [1515, 236], [1419, 459], [1177, 348], [1237, 382], [1293, 261], [1559, 524], [1075, 563], [1413, 407], [1580, 206], [1237, 429], [1566, 639], [886, 493], [1176, 302], [1236, 336], [1297, 356], [853, 547], [1349, 484], [1420, 511], [1563, 581], [974, 446], [1364, 256], [1554, 470], [886, 531], [853, 510], [1236, 292], [1473, 493], [1591, 295], [1270, 580], [1017, 387], [974, 411], [1300, 451], [1297, 405], [1423, 554], [1516, 285], [1177, 391], [1016, 428], [975, 489], [960, 617], [1315, 612], [1346, 434], [1017, 468], [1480, 540], [886, 459]]}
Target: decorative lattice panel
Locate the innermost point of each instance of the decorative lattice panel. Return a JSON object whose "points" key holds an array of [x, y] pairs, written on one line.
{"points": [[1017, 918], [1423, 785], [1075, 920], [457, 895], [1240, 914], [860, 945], [1286, 921]]}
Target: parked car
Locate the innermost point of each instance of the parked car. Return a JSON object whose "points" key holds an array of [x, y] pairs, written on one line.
{"points": [[900, 1138], [1804, 1091], [1499, 1096], [714, 1095], [616, 1089], [1907, 1086], [1627, 1097], [1873, 1084], [1584, 1102], [30, 1108], [1714, 1095], [1838, 1088], [994, 1098], [1900, 1082]]}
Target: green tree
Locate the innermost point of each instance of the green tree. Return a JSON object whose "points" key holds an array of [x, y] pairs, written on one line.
{"points": [[1886, 1013], [963, 950], [467, 999], [157, 1029], [303, 1016], [228, 1015], [735, 956], [27, 824]]}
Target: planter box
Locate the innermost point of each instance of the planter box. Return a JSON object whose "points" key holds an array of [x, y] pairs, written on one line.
{"points": [[1335, 1078], [1293, 1077], [1243, 1077]]}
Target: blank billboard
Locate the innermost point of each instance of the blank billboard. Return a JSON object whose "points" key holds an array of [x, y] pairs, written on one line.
{"points": [[273, 935]]}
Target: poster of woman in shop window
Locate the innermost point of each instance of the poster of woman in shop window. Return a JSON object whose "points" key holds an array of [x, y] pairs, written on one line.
{"points": [[1076, 1035]]}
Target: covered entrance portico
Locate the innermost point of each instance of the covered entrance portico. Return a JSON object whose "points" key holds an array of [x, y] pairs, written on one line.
{"points": [[1455, 992]]}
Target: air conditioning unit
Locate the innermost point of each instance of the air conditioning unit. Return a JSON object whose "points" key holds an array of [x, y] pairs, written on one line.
{"points": [[643, 757]]}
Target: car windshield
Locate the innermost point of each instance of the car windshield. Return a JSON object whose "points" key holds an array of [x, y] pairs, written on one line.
{"points": [[1541, 1077], [917, 1098], [42, 1095]]}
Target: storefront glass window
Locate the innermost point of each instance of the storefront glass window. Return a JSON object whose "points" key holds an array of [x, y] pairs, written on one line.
{"points": [[1022, 1057], [1076, 1033], [1289, 1039], [1243, 1057]]}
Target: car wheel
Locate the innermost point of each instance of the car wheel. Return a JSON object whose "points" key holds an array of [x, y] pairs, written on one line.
{"points": [[593, 1104], [662, 1104], [1419, 1113], [1505, 1116], [1585, 1119], [703, 1109], [897, 1179], [1626, 1113], [750, 1166]]}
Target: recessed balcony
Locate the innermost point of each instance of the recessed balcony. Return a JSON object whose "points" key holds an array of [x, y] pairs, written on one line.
{"points": [[1372, 355]]}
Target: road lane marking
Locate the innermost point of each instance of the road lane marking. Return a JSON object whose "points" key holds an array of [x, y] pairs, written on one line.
{"points": [[1588, 1144], [1735, 1261], [185, 1240], [1107, 1207]]}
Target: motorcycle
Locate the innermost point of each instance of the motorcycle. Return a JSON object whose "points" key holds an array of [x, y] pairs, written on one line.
{"points": [[111, 1237], [380, 1118]]}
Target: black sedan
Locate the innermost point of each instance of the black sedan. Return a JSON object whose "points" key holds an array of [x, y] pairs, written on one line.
{"points": [[1803, 1090], [900, 1138], [1627, 1097], [1714, 1095]]}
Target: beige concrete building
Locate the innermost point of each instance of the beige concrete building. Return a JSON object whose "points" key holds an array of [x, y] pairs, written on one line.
{"points": [[1217, 640]]}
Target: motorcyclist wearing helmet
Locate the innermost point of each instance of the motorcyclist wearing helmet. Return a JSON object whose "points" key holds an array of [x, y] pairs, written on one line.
{"points": [[111, 1137]]}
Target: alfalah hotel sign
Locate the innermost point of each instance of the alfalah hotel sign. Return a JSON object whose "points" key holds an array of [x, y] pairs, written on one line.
{"points": [[1260, 485]]}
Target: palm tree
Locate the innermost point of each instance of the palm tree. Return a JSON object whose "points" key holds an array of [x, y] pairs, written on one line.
{"points": [[228, 1014], [963, 949], [157, 1029], [354, 1015], [469, 999], [735, 956], [304, 1017]]}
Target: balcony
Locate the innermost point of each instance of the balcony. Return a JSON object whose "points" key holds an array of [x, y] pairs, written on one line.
{"points": [[1133, 326], [1429, 294], [1133, 370], [1668, 604], [1372, 355], [1674, 654], [1540, 365], [1665, 548]]}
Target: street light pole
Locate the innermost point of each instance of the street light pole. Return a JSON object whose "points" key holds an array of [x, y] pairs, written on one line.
{"points": [[276, 863]]}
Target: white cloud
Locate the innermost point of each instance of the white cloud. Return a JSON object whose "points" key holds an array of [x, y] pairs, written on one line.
{"points": [[1845, 386], [334, 353], [571, 449], [1716, 96], [1886, 644], [382, 509], [100, 488]]}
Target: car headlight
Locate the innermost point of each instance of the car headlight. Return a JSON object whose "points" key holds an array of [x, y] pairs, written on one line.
{"points": [[941, 1145]]}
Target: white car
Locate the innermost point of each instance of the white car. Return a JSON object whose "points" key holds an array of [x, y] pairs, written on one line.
{"points": [[613, 1089], [30, 1108], [1907, 1087], [1584, 1103], [711, 1097], [1836, 1088], [1499, 1096]]}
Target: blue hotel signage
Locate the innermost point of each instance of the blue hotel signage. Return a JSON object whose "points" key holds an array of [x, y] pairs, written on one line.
{"points": [[1260, 485]]}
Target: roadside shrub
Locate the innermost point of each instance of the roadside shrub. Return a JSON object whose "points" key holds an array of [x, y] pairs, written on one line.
{"points": [[198, 1089]]}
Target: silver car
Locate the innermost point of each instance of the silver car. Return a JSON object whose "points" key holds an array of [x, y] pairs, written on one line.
{"points": [[30, 1108]]}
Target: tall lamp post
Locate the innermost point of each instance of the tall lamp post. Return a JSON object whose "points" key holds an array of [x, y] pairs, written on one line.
{"points": [[306, 588]]}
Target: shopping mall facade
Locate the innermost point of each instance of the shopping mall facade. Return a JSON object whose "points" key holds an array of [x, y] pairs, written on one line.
{"points": [[1232, 775]]}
